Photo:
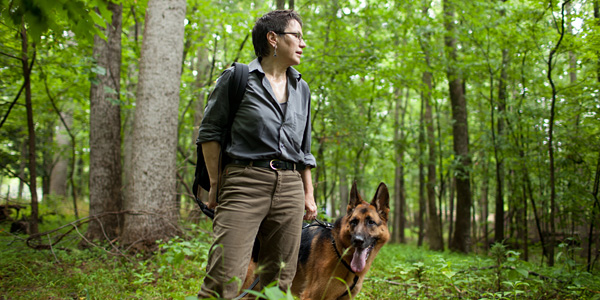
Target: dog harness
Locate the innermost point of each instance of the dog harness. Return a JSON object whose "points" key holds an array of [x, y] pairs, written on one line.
{"points": [[347, 267]]}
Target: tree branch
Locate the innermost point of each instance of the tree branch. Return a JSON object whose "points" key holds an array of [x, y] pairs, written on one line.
{"points": [[34, 241], [11, 56], [20, 91]]}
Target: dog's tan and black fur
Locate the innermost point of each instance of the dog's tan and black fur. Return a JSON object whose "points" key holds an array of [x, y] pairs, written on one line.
{"points": [[356, 238], [344, 251]]}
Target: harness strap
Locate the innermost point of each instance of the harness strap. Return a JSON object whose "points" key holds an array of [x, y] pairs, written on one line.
{"points": [[242, 295], [347, 267]]}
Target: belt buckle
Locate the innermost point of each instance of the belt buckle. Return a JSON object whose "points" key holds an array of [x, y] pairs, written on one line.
{"points": [[272, 166]]}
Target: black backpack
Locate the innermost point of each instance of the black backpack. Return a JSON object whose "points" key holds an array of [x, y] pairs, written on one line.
{"points": [[237, 89]]}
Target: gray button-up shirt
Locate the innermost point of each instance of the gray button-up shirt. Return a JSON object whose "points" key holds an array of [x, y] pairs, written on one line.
{"points": [[261, 129]]}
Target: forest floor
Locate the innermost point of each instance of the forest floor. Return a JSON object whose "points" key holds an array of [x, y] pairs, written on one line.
{"points": [[66, 271]]}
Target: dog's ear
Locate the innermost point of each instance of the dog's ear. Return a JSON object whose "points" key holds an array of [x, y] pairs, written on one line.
{"points": [[355, 199], [381, 201]]}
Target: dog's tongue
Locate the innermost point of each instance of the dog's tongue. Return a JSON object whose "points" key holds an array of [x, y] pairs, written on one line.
{"points": [[359, 260]]}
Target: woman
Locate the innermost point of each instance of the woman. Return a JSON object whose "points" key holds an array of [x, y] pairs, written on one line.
{"points": [[266, 187]]}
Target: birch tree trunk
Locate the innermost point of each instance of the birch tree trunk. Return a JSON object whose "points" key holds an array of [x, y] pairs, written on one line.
{"points": [[153, 180], [105, 133]]}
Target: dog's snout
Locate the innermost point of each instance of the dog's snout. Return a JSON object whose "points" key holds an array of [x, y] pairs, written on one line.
{"points": [[358, 240]]}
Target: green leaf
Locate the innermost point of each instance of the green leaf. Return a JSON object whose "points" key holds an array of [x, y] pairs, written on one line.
{"points": [[523, 272], [98, 20], [274, 293]]}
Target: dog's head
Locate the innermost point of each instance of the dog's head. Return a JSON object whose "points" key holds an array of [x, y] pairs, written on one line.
{"points": [[366, 224]]}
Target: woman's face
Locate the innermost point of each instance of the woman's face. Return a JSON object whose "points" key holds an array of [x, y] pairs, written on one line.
{"points": [[290, 44]]}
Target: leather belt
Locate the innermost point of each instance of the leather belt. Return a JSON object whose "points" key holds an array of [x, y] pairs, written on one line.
{"points": [[274, 164]]}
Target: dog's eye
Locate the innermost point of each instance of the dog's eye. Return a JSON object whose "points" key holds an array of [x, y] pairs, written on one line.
{"points": [[353, 222], [371, 222]]}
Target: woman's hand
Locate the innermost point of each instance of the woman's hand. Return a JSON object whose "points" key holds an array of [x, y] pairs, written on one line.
{"points": [[212, 197], [310, 207], [211, 151], [309, 198]]}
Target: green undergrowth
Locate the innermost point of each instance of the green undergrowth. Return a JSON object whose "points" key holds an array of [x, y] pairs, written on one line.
{"points": [[176, 271]]}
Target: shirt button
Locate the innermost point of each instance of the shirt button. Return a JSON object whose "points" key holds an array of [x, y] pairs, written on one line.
{"points": [[282, 146]]}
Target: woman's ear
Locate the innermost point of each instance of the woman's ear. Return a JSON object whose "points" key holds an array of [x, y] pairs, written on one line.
{"points": [[272, 38]]}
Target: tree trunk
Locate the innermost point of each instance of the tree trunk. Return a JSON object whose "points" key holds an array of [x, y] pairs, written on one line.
{"points": [[434, 227], [105, 134], [434, 224], [22, 166], [60, 168], [498, 142], [66, 120], [153, 181], [525, 224], [47, 159], [485, 205], [596, 205], [461, 240], [344, 195], [597, 177], [450, 210], [33, 218], [280, 4], [553, 207], [399, 223], [423, 231]]}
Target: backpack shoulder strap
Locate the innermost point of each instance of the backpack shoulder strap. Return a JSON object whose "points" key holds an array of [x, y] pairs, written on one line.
{"points": [[237, 88]]}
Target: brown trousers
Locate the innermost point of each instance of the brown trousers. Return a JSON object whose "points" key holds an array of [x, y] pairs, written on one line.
{"points": [[255, 202]]}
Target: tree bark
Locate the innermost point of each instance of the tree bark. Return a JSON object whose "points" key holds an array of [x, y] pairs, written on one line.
{"points": [[422, 185], [434, 227], [484, 203], [451, 201], [399, 223], [105, 134], [461, 240], [33, 218], [155, 127], [434, 224]]}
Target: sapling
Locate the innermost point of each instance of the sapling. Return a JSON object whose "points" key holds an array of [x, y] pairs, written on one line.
{"points": [[498, 252]]}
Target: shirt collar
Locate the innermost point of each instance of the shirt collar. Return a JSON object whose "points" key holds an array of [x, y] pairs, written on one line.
{"points": [[256, 66]]}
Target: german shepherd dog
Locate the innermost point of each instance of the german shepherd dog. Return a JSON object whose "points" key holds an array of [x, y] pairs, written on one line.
{"points": [[333, 262], [334, 259]]}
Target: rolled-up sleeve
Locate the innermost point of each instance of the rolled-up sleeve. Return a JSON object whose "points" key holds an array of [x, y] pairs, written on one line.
{"points": [[216, 115]]}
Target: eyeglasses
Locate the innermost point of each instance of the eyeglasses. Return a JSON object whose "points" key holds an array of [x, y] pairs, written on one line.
{"points": [[298, 35]]}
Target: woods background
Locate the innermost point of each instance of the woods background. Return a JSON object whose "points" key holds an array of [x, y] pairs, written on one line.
{"points": [[482, 115]]}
